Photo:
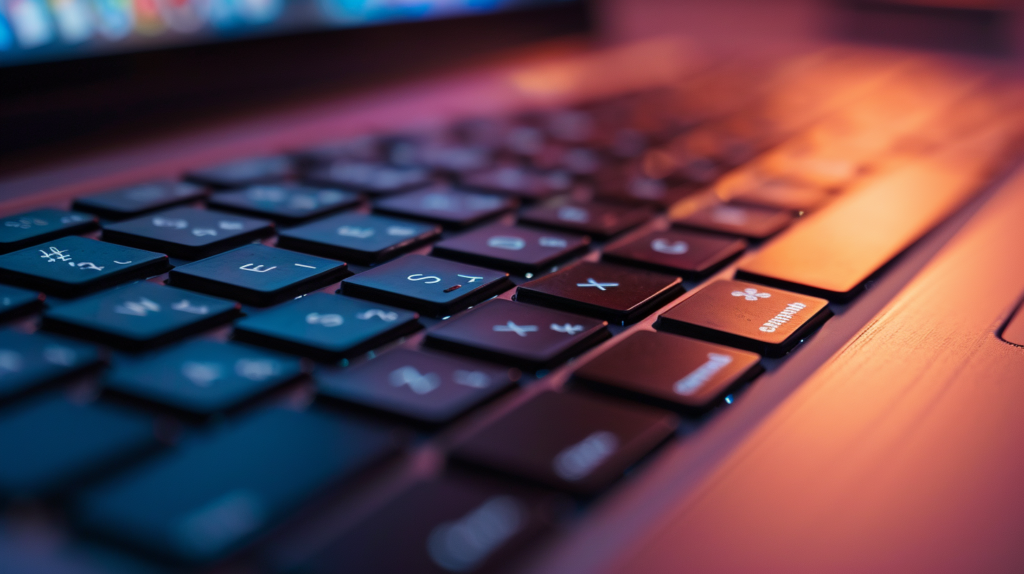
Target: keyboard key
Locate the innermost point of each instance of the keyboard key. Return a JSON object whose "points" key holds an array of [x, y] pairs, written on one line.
{"points": [[676, 370], [749, 316], [15, 302], [215, 493], [361, 148], [612, 292], [778, 194], [140, 199], [34, 227], [139, 316], [518, 334], [287, 204], [447, 206], [258, 275], [521, 182], [243, 172], [50, 443], [187, 232], [432, 286], [454, 523], [512, 248], [370, 178], [358, 238], [639, 190], [688, 253], [742, 220], [326, 327], [452, 159], [74, 266], [201, 376], [28, 361], [579, 443], [428, 387], [598, 220]]}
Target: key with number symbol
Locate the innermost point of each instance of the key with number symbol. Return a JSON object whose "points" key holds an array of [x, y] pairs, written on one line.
{"points": [[258, 275], [358, 238], [688, 253], [187, 232], [369, 178], [139, 316], [140, 199], [15, 302], [29, 361], [600, 220], [242, 172], [512, 248], [75, 266], [287, 204], [33, 227], [429, 285], [519, 334], [742, 220], [446, 205]]}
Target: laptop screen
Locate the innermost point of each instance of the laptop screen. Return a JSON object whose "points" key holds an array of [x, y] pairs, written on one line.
{"points": [[34, 31]]}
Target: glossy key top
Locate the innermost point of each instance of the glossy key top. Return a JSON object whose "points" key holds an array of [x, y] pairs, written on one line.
{"points": [[358, 237], [14, 301], [742, 220], [34, 227], [287, 204], [512, 248], [762, 319], [242, 172], [575, 442], [599, 220], [446, 205], [28, 361], [217, 491], [680, 252], [140, 199], [369, 178], [187, 232]]}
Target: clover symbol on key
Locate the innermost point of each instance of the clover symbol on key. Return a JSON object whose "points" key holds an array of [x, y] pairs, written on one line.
{"points": [[750, 294]]}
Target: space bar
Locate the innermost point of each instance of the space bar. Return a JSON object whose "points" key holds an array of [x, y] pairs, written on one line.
{"points": [[832, 252]]}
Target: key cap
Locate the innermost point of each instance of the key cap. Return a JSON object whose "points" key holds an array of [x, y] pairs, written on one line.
{"points": [[140, 199], [29, 361], [512, 248], [612, 292], [742, 220], [358, 238], [258, 275], [287, 204], [447, 206], [15, 302], [521, 182], [779, 194], [370, 178], [201, 376], [215, 493], [326, 327], [75, 266], [688, 253], [361, 148], [677, 371], [451, 159], [599, 220], [243, 172], [519, 334], [428, 285], [749, 316], [639, 190], [454, 523], [139, 316], [50, 443], [187, 232], [428, 387], [34, 227], [575, 442]]}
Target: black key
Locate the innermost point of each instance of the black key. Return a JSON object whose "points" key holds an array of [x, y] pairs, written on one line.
{"points": [[203, 377], [187, 232], [676, 370], [258, 275], [371, 178], [429, 285], [357, 237], [600, 220], [28, 361], [745, 221], [777, 194], [326, 327], [243, 172], [34, 227], [510, 248], [521, 182], [287, 204], [362, 148], [575, 442], [139, 316], [519, 334], [447, 206], [15, 302], [640, 190], [689, 253], [51, 443], [619, 294], [215, 493], [454, 523], [749, 316], [74, 266], [140, 199], [452, 159]]}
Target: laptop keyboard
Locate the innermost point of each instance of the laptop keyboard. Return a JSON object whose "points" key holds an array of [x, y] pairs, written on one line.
{"points": [[371, 328]]}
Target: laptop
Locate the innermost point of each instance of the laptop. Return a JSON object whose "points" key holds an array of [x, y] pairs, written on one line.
{"points": [[510, 286]]}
